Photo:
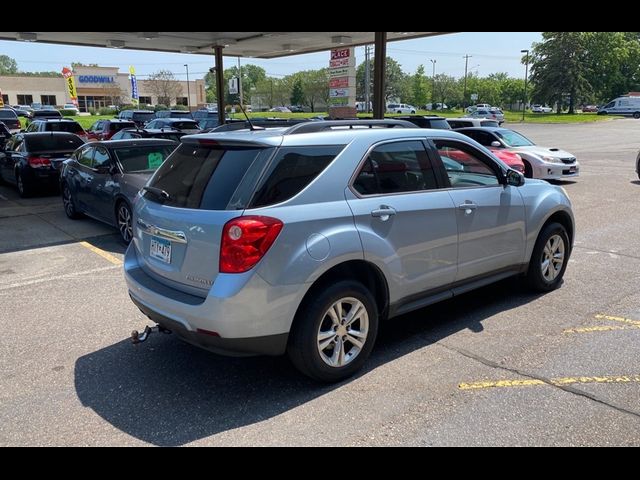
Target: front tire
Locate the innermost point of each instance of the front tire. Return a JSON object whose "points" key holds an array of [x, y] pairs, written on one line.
{"points": [[528, 170], [636, 114], [68, 203], [549, 259], [334, 332]]}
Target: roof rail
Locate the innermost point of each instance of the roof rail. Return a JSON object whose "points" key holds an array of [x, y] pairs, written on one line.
{"points": [[320, 126], [261, 123]]}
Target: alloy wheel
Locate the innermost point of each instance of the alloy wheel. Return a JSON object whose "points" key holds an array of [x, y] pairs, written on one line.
{"points": [[343, 332], [552, 258]]}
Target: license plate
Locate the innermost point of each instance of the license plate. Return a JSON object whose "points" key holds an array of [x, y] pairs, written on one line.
{"points": [[160, 249]]}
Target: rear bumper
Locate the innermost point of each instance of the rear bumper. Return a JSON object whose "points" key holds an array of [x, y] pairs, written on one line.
{"points": [[248, 315]]}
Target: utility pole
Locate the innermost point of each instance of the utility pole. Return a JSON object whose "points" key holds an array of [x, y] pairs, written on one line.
{"points": [[433, 82], [367, 80], [188, 90], [526, 76], [464, 92], [240, 82]]}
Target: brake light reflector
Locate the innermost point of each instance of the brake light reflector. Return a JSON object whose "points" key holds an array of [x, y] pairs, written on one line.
{"points": [[245, 240], [39, 162]]}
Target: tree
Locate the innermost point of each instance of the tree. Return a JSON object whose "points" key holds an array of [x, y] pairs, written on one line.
{"points": [[117, 95], [252, 75], [7, 65], [79, 64], [446, 89], [316, 87], [559, 69], [297, 93], [395, 80], [164, 86], [419, 88]]}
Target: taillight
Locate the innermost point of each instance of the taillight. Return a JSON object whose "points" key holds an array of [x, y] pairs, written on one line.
{"points": [[245, 240], [39, 162]]}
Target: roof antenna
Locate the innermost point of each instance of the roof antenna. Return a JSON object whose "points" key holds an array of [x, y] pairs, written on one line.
{"points": [[251, 125]]}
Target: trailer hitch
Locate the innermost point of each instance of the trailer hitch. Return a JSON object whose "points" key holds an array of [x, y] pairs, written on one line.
{"points": [[137, 337]]}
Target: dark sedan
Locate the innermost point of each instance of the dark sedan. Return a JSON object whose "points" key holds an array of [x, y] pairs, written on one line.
{"points": [[101, 179], [169, 134], [32, 161]]}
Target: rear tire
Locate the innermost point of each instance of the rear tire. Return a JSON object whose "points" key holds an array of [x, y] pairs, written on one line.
{"points": [[124, 221], [549, 258], [68, 203], [636, 114], [326, 343], [24, 190]]}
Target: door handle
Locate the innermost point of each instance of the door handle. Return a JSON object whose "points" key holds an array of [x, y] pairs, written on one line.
{"points": [[383, 213], [468, 207]]}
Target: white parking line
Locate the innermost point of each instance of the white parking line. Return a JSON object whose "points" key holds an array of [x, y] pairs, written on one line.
{"points": [[57, 277]]}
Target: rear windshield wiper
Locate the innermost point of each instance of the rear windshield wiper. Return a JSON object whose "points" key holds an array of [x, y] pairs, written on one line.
{"points": [[158, 192]]}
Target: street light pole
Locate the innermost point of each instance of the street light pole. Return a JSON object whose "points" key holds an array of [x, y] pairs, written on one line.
{"points": [[188, 89], [433, 82], [464, 92], [526, 77]]}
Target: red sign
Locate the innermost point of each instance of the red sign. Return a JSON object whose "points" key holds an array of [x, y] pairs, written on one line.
{"points": [[341, 53], [339, 62], [339, 82]]}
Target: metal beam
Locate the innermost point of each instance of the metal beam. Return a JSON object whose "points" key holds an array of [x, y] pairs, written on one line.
{"points": [[219, 84], [379, 68]]}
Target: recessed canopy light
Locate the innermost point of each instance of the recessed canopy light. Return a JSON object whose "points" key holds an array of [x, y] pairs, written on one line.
{"points": [[115, 43], [27, 36]]}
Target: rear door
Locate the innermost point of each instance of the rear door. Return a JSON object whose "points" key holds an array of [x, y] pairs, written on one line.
{"points": [[406, 223], [178, 238]]}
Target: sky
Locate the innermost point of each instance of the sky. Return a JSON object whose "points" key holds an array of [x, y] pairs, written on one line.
{"points": [[490, 52]]}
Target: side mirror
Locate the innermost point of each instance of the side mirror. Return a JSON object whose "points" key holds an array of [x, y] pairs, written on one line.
{"points": [[514, 178], [496, 144]]}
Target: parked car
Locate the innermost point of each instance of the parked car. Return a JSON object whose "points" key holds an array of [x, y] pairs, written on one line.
{"points": [[44, 113], [401, 108], [10, 119], [205, 114], [71, 107], [102, 179], [539, 162], [280, 109], [638, 165], [589, 109], [296, 109], [31, 161], [496, 114], [5, 135], [304, 239], [541, 109], [184, 125], [426, 121], [139, 117], [463, 122], [57, 125], [208, 123], [36, 106], [169, 134], [105, 129], [173, 114]]}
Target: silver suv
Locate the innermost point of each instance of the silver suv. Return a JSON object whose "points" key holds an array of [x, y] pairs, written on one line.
{"points": [[302, 239]]}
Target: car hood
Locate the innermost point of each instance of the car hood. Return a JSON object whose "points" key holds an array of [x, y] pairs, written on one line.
{"points": [[542, 151]]}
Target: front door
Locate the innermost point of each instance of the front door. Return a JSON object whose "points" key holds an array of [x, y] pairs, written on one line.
{"points": [[407, 225], [102, 186], [490, 214]]}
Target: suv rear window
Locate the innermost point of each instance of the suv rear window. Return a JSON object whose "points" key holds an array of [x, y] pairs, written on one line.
{"points": [[117, 126], [71, 127], [204, 178], [292, 169], [8, 114]]}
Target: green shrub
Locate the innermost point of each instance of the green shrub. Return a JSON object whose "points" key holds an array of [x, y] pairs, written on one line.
{"points": [[161, 107], [68, 113], [107, 111], [92, 111], [180, 107]]}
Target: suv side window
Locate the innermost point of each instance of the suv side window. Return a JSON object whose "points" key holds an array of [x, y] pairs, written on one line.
{"points": [[101, 157], [483, 138], [394, 168], [85, 156], [465, 166], [291, 170]]}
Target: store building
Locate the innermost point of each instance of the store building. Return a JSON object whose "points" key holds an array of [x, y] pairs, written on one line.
{"points": [[97, 87]]}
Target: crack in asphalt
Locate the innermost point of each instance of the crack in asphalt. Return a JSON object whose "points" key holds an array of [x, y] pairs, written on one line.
{"points": [[546, 381], [582, 247]]}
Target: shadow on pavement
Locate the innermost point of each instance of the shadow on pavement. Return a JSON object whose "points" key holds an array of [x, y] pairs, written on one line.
{"points": [[168, 393]]}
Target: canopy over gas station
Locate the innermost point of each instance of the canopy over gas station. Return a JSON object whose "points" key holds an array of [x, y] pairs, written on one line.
{"points": [[240, 44]]}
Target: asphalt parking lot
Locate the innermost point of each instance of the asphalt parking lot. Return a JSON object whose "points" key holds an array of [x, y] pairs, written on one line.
{"points": [[498, 366]]}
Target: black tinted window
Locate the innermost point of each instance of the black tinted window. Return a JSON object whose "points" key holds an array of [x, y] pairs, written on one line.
{"points": [[116, 127], [291, 170], [142, 158], [396, 167], [48, 142], [184, 125], [483, 138], [85, 156], [142, 116], [8, 114], [101, 158], [71, 127], [440, 123], [202, 177]]}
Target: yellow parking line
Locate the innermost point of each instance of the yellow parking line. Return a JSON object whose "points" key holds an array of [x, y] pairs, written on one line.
{"points": [[618, 319], [553, 381], [102, 253], [602, 328]]}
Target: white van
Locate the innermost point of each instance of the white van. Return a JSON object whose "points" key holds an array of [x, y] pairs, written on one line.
{"points": [[622, 106]]}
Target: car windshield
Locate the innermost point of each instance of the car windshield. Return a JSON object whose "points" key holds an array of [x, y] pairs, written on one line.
{"points": [[513, 139], [138, 159], [184, 125]]}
